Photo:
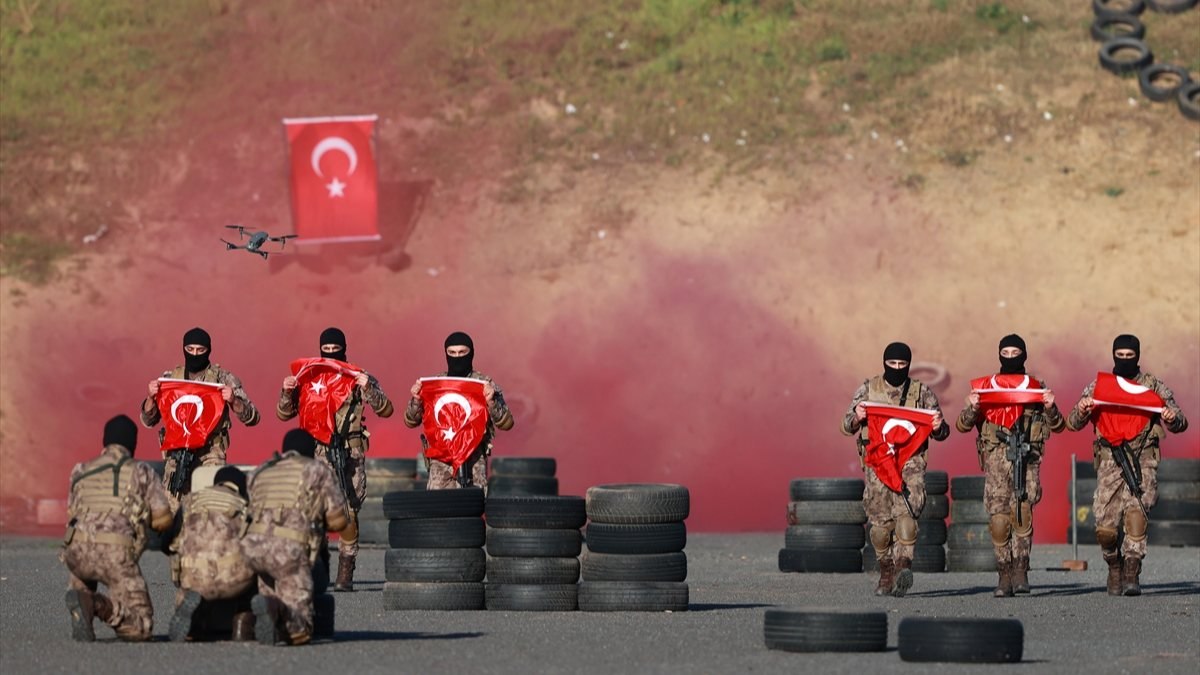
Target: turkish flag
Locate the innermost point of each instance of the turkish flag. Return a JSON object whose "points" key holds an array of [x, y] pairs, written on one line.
{"points": [[323, 386], [190, 411], [334, 181], [1003, 396], [1123, 408], [456, 416], [894, 435]]}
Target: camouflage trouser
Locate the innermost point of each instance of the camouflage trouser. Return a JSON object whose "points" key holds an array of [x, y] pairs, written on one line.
{"points": [[215, 579], [1000, 498], [1112, 498], [356, 468], [284, 573], [442, 477], [116, 567], [214, 456], [883, 506]]}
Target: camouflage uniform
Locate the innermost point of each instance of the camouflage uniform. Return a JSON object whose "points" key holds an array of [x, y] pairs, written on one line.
{"points": [[1011, 542], [358, 441], [210, 544], [112, 500], [441, 474], [886, 510], [213, 454], [1112, 503], [292, 500]]}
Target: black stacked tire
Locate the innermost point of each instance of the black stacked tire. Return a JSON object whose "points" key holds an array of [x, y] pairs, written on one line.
{"points": [[825, 526], [523, 476], [533, 544], [1175, 519], [436, 559], [825, 630], [968, 543], [930, 552], [635, 559], [384, 475]]}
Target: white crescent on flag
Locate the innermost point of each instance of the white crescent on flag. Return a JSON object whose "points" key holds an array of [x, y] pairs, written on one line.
{"points": [[187, 398], [448, 399], [334, 143], [1024, 384], [1130, 387]]}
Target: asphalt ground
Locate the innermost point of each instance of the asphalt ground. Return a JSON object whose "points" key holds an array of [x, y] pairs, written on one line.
{"points": [[1071, 624]]}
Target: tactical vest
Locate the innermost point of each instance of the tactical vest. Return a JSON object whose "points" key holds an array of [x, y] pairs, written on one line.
{"points": [[877, 393], [219, 501], [103, 488], [279, 486]]}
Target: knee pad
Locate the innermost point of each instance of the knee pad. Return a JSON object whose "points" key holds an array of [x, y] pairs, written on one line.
{"points": [[1135, 524], [350, 534], [1107, 538], [881, 538], [906, 530], [1025, 529], [1000, 527]]}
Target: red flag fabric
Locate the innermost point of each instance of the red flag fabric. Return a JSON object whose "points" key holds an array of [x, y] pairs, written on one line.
{"points": [[456, 416], [323, 386], [1003, 396], [190, 411], [894, 434], [334, 181], [1123, 408]]}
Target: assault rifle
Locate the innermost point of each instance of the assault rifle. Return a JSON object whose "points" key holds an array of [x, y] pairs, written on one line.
{"points": [[904, 493], [1017, 453], [339, 449], [1131, 472], [181, 477]]}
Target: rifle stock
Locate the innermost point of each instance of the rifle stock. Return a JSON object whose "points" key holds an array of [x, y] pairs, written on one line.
{"points": [[339, 450], [182, 474]]}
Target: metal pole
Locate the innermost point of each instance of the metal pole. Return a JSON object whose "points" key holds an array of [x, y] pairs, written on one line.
{"points": [[1074, 511]]}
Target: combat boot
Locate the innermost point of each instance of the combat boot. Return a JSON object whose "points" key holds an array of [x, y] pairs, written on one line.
{"points": [[267, 613], [79, 604], [1004, 587], [181, 622], [887, 577], [1114, 573], [345, 577], [243, 627], [904, 577], [1020, 576], [1131, 570]]}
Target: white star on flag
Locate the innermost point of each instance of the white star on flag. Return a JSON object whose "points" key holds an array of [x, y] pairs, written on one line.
{"points": [[336, 188], [317, 386]]}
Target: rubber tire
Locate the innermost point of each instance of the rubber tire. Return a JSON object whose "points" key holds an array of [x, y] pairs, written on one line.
{"points": [[524, 466], [966, 487], [638, 503], [324, 613], [1170, 6], [926, 559], [645, 567], [1177, 470], [1175, 509], [523, 485], [814, 513], [1154, 93], [1173, 533], [653, 538], [1170, 490], [931, 533], [400, 466], [1086, 490], [961, 640], [937, 507], [825, 489], [824, 536], [632, 596], [436, 533], [1100, 32], [434, 565], [1189, 100], [373, 532], [503, 570], [937, 482], [456, 597], [1085, 469], [968, 535], [970, 560], [456, 503], [527, 543], [825, 630], [831, 561], [536, 512], [531, 597], [1100, 8], [1107, 62], [968, 511]]}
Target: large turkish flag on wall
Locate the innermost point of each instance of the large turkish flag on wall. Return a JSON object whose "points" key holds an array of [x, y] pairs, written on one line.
{"points": [[333, 179]]}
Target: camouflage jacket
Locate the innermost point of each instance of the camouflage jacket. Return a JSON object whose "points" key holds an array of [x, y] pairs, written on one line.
{"points": [[214, 521], [115, 495], [296, 497], [877, 390], [213, 373], [288, 407], [499, 416]]}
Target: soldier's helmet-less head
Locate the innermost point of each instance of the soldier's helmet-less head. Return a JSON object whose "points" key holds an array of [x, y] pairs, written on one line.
{"points": [[196, 337], [232, 477], [460, 364], [1127, 366], [897, 351], [121, 431], [1012, 364], [333, 344]]}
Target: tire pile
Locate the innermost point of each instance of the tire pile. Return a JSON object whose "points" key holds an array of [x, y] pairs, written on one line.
{"points": [[825, 526], [968, 540], [384, 475], [930, 552], [1123, 51], [523, 476], [533, 545], [436, 559], [1175, 518], [635, 559]]}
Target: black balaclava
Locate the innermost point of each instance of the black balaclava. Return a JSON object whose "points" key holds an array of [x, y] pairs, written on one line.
{"points": [[193, 362], [901, 352], [121, 431], [460, 366], [301, 441], [232, 474], [1014, 364], [1127, 368], [333, 336]]}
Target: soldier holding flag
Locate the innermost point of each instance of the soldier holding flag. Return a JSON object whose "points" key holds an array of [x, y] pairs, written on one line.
{"points": [[1130, 409], [891, 445], [1014, 415]]}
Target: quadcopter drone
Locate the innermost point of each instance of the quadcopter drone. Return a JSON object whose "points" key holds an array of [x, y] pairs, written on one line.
{"points": [[257, 239]]}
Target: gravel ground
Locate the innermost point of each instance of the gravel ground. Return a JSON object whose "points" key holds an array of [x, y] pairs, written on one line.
{"points": [[1071, 625]]}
